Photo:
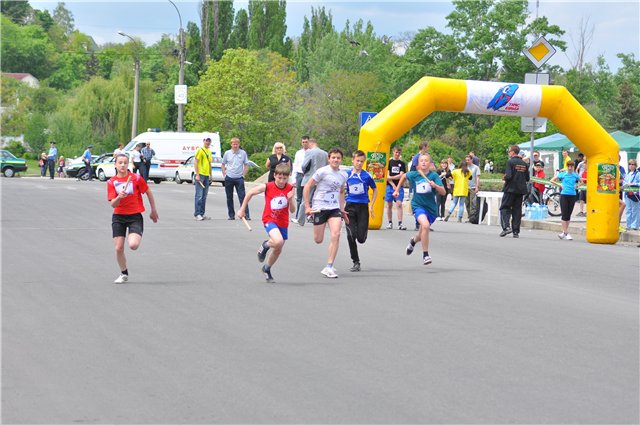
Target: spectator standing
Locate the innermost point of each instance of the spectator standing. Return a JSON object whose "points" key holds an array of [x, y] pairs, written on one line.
{"points": [[487, 166], [445, 175], [357, 206], [622, 205], [423, 148], [538, 172], [119, 150], [474, 187], [86, 158], [61, 165], [52, 158], [581, 169], [298, 173], [516, 176], [314, 159], [491, 169], [278, 156], [474, 159], [397, 168], [328, 206], [461, 177], [569, 180], [202, 176], [278, 195], [565, 159], [536, 158], [136, 158], [632, 197], [452, 165], [146, 155], [124, 193], [43, 163], [235, 164], [425, 183]]}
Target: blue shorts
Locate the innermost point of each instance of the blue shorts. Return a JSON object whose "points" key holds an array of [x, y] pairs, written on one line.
{"points": [[388, 196], [284, 231], [417, 212]]}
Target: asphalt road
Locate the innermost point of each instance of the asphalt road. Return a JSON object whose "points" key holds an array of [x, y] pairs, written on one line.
{"points": [[496, 330]]}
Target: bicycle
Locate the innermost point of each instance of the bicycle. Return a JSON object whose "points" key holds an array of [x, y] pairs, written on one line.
{"points": [[550, 198]]}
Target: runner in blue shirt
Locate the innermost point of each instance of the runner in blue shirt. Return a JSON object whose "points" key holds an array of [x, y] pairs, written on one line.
{"points": [[569, 180], [358, 207], [424, 183]]}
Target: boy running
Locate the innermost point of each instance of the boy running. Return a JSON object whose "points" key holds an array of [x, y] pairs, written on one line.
{"points": [[328, 205], [275, 217], [424, 183], [358, 207], [124, 193]]}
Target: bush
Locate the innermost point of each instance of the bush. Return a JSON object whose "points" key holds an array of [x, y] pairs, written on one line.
{"points": [[259, 158]]}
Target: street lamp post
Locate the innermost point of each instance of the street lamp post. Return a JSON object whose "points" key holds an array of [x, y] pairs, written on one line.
{"points": [[181, 55], [134, 125]]}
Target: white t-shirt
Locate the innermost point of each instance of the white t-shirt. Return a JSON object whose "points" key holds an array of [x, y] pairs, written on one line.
{"points": [[135, 156], [329, 183]]}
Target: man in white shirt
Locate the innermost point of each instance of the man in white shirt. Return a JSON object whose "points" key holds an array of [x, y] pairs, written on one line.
{"points": [[298, 173], [474, 187]]}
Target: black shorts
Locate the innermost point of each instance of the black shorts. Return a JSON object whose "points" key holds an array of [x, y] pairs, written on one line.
{"points": [[120, 223], [324, 215]]}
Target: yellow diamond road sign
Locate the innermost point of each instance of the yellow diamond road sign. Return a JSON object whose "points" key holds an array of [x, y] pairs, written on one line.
{"points": [[540, 52]]}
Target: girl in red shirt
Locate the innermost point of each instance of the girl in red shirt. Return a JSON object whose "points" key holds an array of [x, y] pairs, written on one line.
{"points": [[124, 193]]}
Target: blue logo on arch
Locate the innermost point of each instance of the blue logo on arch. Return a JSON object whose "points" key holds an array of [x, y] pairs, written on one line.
{"points": [[503, 96]]}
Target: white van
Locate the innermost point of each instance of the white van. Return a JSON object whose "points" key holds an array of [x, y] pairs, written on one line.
{"points": [[173, 148]]}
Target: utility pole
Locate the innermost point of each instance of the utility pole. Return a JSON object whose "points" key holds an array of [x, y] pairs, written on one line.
{"points": [[181, 58], [136, 85]]}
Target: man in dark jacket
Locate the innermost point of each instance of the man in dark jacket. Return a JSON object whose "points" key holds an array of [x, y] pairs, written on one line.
{"points": [[516, 177]]}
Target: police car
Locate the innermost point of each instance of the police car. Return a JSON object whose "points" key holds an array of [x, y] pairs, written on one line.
{"points": [[10, 164]]}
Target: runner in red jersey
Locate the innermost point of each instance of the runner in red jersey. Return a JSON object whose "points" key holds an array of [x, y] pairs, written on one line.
{"points": [[277, 206], [124, 193]]}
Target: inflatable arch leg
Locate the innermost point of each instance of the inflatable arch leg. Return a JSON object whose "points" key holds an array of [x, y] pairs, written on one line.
{"points": [[508, 99]]}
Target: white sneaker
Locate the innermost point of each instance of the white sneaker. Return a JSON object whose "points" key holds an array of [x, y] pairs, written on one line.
{"points": [[294, 220], [121, 279], [562, 235], [438, 218], [206, 217], [390, 226], [426, 260], [329, 272], [199, 218], [568, 237]]}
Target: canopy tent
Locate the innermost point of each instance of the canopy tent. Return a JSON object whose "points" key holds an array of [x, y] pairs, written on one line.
{"points": [[558, 142]]}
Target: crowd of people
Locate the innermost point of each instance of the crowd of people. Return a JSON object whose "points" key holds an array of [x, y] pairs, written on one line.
{"points": [[327, 196]]}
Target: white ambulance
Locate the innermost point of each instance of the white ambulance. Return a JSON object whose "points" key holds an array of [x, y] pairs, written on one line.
{"points": [[173, 148]]}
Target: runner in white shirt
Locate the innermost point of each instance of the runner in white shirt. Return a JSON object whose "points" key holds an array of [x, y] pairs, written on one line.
{"points": [[328, 205]]}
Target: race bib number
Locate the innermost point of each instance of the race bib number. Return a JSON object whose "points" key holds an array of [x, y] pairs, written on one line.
{"points": [[279, 202], [331, 198], [356, 189], [121, 185], [395, 169], [423, 187]]}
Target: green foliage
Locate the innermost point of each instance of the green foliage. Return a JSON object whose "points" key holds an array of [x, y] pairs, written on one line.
{"points": [[332, 107], [16, 148], [267, 25], [247, 94], [239, 38], [35, 134], [259, 158], [26, 49], [17, 11]]}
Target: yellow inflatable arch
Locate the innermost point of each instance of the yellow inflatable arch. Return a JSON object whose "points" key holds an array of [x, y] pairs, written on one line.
{"points": [[510, 99]]}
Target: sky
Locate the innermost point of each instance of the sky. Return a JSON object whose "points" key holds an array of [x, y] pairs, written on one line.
{"points": [[616, 24]]}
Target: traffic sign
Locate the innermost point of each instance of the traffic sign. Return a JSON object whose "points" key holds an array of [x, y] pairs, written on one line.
{"points": [[365, 117], [530, 124], [180, 94], [539, 52]]}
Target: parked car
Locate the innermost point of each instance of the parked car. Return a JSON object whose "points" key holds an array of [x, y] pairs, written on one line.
{"points": [[11, 164], [106, 170], [185, 172], [75, 167]]}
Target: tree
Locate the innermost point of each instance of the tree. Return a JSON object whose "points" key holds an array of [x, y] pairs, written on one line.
{"points": [[239, 38], [333, 105], [267, 24], [26, 49], [626, 113], [217, 22], [17, 11], [248, 94], [63, 18]]}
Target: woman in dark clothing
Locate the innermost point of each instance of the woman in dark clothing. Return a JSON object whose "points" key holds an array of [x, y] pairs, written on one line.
{"points": [[278, 157], [445, 174]]}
